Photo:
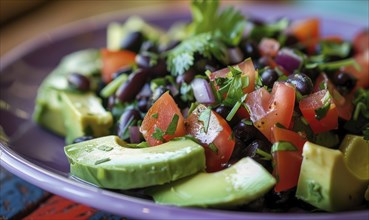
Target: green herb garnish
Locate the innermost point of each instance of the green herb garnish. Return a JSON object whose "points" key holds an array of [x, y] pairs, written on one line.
{"points": [[283, 146], [155, 115], [171, 129], [213, 148], [205, 118], [321, 112], [158, 134]]}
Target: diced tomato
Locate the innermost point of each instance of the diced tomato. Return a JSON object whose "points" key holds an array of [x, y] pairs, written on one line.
{"points": [[266, 109], [214, 133], [362, 75], [282, 134], [286, 169], [269, 47], [112, 61], [287, 163], [315, 101], [307, 31], [361, 41], [344, 104], [247, 68], [158, 119]]}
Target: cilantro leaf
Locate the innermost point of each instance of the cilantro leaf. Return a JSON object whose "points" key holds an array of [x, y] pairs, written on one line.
{"points": [[321, 112], [204, 13], [213, 148], [158, 134], [329, 48], [231, 25], [171, 129], [205, 118], [283, 146], [268, 30], [181, 58]]}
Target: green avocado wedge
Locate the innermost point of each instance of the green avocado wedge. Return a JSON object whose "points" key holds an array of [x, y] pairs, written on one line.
{"points": [[108, 162], [335, 180], [239, 184]]}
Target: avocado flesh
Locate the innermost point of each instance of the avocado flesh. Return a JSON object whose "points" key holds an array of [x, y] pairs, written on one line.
{"points": [[84, 115], [239, 184], [327, 182], [49, 109], [108, 163]]}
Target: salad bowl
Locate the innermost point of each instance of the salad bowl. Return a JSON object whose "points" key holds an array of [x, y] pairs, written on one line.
{"points": [[37, 155]]}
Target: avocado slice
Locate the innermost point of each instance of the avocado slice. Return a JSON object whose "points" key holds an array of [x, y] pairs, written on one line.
{"points": [[107, 162], [239, 184], [84, 115], [334, 180], [48, 108]]}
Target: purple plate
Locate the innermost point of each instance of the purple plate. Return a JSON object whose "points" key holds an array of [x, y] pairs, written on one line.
{"points": [[37, 156]]}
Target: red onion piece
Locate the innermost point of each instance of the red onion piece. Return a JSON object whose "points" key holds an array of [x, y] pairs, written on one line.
{"points": [[134, 135], [202, 91], [288, 59]]}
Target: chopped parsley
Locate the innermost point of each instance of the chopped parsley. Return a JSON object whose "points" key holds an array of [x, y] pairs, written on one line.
{"points": [[213, 148], [155, 115], [321, 112], [206, 38], [158, 134], [283, 146], [171, 129], [205, 118]]}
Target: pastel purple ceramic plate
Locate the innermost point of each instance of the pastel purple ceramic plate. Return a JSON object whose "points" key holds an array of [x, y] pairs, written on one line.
{"points": [[36, 155]]}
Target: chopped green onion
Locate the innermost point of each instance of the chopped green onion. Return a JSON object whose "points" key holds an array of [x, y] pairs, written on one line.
{"points": [[109, 89]]}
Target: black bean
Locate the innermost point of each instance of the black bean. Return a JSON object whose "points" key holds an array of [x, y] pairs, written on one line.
{"points": [[234, 55], [127, 119], [160, 90], [133, 41], [251, 151], [344, 82], [149, 46], [143, 60], [79, 82], [203, 64], [302, 82], [280, 200], [262, 62], [126, 69], [224, 111], [143, 104], [268, 77], [186, 77], [291, 40], [256, 21], [312, 73], [81, 139], [169, 46], [246, 132], [250, 49], [129, 89]]}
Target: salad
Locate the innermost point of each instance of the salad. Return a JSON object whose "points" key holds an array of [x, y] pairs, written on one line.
{"points": [[224, 111]]}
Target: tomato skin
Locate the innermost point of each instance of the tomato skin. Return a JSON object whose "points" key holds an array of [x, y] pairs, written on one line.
{"points": [[112, 61], [307, 31], [344, 104], [361, 75], [160, 116], [283, 134], [287, 166], [266, 109], [309, 104], [361, 41], [247, 68], [219, 133]]}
